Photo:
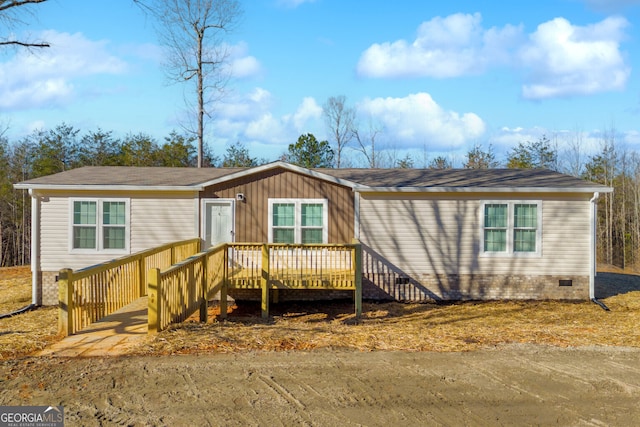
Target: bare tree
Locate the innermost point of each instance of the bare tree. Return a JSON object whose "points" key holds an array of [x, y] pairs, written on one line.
{"points": [[367, 143], [193, 33], [339, 119], [574, 155], [11, 12]]}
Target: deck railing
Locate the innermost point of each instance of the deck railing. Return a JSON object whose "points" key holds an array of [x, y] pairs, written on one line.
{"points": [[178, 292], [89, 294]]}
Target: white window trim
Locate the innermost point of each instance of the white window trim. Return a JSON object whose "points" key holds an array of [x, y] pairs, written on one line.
{"points": [[510, 253], [298, 217], [100, 226]]}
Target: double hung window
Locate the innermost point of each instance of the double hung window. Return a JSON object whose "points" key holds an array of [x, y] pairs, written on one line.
{"points": [[298, 221], [511, 227], [99, 225]]}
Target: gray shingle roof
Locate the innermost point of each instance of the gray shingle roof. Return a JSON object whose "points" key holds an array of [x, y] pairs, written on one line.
{"points": [[427, 179], [457, 178], [134, 176]]}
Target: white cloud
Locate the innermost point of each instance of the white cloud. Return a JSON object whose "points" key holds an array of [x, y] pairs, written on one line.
{"points": [[242, 64], [250, 118], [267, 128], [247, 107], [417, 119], [558, 59], [45, 78], [35, 126], [307, 112], [564, 59], [444, 47], [507, 138]]}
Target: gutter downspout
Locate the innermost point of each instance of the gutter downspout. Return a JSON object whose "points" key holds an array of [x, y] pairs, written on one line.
{"points": [[356, 214], [35, 248], [592, 260]]}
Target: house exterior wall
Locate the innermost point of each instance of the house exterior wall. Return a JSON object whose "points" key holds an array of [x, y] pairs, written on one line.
{"points": [[155, 218], [252, 214], [422, 247]]}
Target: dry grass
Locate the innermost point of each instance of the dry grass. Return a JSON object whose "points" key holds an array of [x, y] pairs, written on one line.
{"points": [[27, 332], [389, 326], [15, 288], [410, 327]]}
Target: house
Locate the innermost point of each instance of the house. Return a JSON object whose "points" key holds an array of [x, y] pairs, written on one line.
{"points": [[426, 234]]}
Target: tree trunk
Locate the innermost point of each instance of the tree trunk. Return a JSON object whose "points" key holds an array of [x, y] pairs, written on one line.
{"points": [[200, 104]]}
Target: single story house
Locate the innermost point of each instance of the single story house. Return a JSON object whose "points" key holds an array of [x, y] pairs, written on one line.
{"points": [[425, 234]]}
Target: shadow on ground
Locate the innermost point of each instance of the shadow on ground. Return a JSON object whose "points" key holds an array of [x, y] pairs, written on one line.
{"points": [[612, 284]]}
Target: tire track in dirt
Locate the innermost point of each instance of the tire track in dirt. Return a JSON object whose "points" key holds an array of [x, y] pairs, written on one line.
{"points": [[557, 378], [628, 382], [297, 414], [510, 386]]}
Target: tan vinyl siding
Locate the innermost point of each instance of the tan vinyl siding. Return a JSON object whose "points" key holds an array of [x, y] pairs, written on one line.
{"points": [[252, 214], [442, 234], [156, 218], [54, 232], [163, 218]]}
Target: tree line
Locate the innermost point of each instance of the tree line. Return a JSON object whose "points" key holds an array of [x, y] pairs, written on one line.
{"points": [[46, 152]]}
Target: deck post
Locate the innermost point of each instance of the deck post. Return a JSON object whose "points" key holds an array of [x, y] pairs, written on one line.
{"points": [[204, 305], [225, 282], [65, 301], [141, 276], [357, 267], [265, 281], [154, 301]]}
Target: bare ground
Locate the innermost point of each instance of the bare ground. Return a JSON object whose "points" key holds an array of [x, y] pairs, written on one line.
{"points": [[497, 364], [513, 385]]}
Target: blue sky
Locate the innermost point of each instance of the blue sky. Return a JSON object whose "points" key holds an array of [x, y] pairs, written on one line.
{"points": [[434, 78]]}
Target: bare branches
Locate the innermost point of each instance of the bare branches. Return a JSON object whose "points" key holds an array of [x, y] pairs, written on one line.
{"points": [[23, 44], [193, 33], [367, 143], [8, 4], [339, 119], [10, 16]]}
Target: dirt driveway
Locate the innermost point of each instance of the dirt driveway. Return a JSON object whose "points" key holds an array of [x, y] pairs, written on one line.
{"points": [[514, 385]]}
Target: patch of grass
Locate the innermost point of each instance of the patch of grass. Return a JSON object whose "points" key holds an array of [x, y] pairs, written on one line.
{"points": [[464, 326], [28, 332], [461, 326], [15, 288]]}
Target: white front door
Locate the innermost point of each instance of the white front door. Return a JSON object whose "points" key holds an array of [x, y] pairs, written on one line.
{"points": [[218, 222]]}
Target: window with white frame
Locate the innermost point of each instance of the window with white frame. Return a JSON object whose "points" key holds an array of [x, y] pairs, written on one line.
{"points": [[298, 221], [99, 225], [511, 227]]}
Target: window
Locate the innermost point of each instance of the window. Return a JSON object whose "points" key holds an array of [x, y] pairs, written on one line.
{"points": [[511, 228], [298, 221], [99, 225], [114, 226], [84, 225]]}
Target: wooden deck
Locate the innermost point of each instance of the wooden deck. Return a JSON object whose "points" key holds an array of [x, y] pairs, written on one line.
{"points": [[176, 293], [338, 279], [178, 287]]}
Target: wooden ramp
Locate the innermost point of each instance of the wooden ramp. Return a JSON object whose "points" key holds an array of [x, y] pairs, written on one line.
{"points": [[113, 335]]}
